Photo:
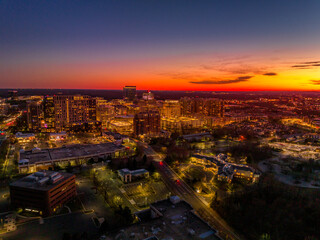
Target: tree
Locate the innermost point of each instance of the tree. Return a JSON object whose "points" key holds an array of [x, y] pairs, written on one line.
{"points": [[128, 215], [134, 163], [76, 236], [69, 168], [103, 227], [151, 168], [144, 159], [265, 237], [84, 236], [214, 201], [66, 236]]}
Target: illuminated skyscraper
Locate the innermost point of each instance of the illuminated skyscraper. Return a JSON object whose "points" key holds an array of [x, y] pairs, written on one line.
{"points": [[202, 106], [13, 94], [130, 92], [48, 114], [146, 123], [148, 96], [34, 115], [73, 111], [171, 108]]}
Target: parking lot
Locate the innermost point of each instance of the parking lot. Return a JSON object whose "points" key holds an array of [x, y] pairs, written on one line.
{"points": [[141, 194], [53, 228]]}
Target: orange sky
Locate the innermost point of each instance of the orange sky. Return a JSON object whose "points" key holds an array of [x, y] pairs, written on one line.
{"points": [[214, 72]]}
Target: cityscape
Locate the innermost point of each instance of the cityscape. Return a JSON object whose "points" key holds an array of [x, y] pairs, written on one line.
{"points": [[149, 120]]}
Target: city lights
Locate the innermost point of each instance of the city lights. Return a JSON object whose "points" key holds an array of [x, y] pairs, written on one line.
{"points": [[157, 120]]}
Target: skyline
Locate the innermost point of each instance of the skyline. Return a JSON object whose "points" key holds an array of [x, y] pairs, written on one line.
{"points": [[213, 46]]}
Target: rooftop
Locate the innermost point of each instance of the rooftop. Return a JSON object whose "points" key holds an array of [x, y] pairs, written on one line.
{"points": [[24, 135], [177, 222], [126, 171], [43, 180], [71, 151]]}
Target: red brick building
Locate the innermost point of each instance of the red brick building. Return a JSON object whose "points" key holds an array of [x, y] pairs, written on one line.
{"points": [[43, 192]]}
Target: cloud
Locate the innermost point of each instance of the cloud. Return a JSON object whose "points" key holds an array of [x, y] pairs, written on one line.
{"points": [[179, 75], [315, 62], [234, 68], [306, 65], [315, 82], [227, 81], [270, 74]]}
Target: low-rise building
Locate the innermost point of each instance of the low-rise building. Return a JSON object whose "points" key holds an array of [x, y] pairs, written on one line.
{"points": [[44, 159], [206, 136], [25, 137], [58, 136], [43, 192], [167, 219], [127, 175], [226, 171]]}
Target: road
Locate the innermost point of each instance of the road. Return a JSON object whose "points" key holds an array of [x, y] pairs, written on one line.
{"points": [[184, 191], [8, 163]]}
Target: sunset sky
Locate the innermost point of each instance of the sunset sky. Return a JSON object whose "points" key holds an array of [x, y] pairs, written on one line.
{"points": [[160, 45]]}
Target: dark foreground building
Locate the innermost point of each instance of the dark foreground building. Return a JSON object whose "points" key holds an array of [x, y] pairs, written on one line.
{"points": [[43, 192], [167, 219]]}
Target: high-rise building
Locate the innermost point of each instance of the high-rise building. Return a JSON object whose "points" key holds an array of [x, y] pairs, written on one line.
{"points": [[48, 114], [13, 94], [148, 96], [34, 115], [130, 93], [4, 107], [74, 111], [187, 106], [146, 123], [105, 112], [202, 106], [171, 108]]}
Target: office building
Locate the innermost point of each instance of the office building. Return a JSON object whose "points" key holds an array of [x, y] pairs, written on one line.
{"points": [[34, 115], [48, 114], [43, 192], [148, 96], [130, 93], [13, 94]]}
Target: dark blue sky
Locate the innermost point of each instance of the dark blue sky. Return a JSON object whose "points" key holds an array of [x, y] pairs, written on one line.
{"points": [[48, 32]]}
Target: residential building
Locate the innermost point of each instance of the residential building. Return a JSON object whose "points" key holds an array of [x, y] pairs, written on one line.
{"points": [[146, 123], [202, 106], [171, 109], [75, 113]]}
